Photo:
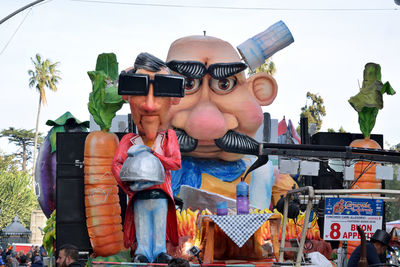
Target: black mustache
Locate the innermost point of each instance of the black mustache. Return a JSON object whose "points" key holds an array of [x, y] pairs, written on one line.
{"points": [[239, 143], [233, 142], [186, 142]]}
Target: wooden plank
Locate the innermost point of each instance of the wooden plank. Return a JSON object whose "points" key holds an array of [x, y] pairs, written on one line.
{"points": [[275, 223], [209, 247]]}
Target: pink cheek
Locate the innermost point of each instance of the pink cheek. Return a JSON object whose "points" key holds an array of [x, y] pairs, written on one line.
{"points": [[250, 117]]}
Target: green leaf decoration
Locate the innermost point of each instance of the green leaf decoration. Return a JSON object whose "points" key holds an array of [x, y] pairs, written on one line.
{"points": [[50, 233], [107, 62], [387, 88], [102, 112], [366, 119], [112, 96], [104, 100], [62, 120], [122, 256], [369, 100], [58, 127], [53, 134]]}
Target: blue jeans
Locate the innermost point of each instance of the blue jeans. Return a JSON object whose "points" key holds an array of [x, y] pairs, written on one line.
{"points": [[151, 226]]}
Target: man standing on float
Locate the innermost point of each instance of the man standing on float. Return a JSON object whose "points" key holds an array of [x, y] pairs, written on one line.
{"points": [[150, 217]]}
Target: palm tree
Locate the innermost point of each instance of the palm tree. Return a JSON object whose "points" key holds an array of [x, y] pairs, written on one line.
{"points": [[45, 75]]}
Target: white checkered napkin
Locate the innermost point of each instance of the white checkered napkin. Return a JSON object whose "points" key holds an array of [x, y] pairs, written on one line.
{"points": [[240, 228]]}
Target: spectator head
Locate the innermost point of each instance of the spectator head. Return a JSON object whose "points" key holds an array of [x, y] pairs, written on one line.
{"points": [[381, 240], [67, 255], [23, 259], [36, 259]]}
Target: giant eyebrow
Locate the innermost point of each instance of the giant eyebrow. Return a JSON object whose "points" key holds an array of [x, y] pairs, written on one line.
{"points": [[191, 69], [225, 70]]}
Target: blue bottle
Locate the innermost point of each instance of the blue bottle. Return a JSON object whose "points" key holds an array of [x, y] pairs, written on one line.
{"points": [[222, 208], [242, 198]]}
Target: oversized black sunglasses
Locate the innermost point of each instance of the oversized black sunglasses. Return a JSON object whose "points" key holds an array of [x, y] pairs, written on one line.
{"points": [[138, 84]]}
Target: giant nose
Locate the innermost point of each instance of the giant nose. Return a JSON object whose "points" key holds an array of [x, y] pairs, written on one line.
{"points": [[150, 104], [206, 122]]}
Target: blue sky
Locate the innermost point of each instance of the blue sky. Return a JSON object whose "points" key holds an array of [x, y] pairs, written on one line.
{"points": [[333, 42]]}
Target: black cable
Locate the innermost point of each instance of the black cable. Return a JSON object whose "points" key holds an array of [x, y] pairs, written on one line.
{"points": [[20, 10], [369, 166], [23, 20], [198, 258], [15, 32]]}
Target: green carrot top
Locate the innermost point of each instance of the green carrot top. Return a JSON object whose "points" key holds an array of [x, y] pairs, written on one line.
{"points": [[104, 101], [369, 100]]}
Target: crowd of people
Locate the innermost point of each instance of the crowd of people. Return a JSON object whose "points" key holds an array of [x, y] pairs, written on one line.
{"points": [[68, 256], [33, 258]]}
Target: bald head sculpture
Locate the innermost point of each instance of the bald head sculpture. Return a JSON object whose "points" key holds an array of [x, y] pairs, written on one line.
{"points": [[218, 96]]}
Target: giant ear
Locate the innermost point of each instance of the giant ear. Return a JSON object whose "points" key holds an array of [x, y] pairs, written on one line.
{"points": [[263, 87]]}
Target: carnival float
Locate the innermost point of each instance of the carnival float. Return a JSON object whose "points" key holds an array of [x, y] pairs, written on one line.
{"points": [[190, 180]]}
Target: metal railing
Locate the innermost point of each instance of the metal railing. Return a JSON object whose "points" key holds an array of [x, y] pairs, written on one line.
{"points": [[309, 196]]}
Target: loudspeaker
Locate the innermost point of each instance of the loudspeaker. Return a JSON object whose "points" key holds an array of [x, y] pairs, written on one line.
{"points": [[71, 219], [341, 139], [328, 178]]}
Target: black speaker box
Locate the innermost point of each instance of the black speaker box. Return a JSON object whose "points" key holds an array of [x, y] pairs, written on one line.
{"points": [[328, 178], [341, 139], [71, 219]]}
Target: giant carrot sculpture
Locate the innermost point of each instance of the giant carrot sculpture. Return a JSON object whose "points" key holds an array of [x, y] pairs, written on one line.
{"points": [[103, 211], [367, 103]]}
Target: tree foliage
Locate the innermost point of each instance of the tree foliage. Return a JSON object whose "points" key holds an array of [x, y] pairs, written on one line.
{"points": [[24, 140], [268, 67], [45, 75], [315, 111], [340, 130], [16, 193], [396, 147], [392, 211]]}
